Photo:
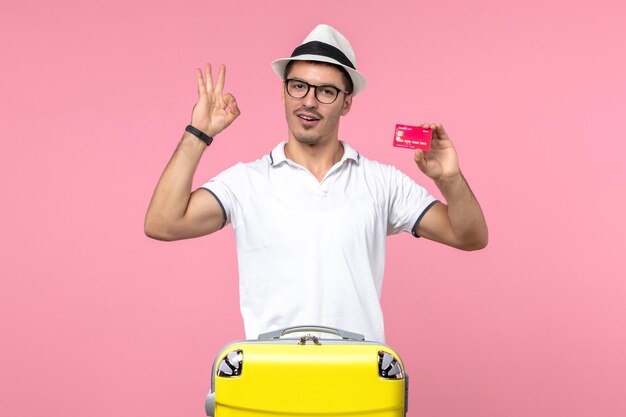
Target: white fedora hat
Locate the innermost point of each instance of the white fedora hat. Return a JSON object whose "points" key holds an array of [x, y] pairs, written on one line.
{"points": [[325, 44]]}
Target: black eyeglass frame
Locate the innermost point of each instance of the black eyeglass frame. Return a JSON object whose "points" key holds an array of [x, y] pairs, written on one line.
{"points": [[308, 87]]}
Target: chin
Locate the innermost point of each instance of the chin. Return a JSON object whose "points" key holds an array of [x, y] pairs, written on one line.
{"points": [[306, 136], [307, 140]]}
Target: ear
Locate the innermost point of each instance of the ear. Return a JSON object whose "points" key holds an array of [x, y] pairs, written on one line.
{"points": [[347, 105]]}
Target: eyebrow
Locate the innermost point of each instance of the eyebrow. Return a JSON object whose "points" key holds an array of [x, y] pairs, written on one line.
{"points": [[318, 85]]}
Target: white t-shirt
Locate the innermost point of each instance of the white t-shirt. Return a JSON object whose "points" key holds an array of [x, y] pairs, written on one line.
{"points": [[311, 252]]}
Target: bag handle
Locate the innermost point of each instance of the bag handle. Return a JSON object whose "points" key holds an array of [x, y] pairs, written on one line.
{"points": [[344, 334]]}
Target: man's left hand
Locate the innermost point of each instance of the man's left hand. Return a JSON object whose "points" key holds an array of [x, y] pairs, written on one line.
{"points": [[441, 161]]}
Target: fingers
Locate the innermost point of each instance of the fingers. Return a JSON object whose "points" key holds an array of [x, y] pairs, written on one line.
{"points": [[209, 77], [221, 77], [441, 133], [206, 83], [432, 126], [438, 130], [201, 88], [231, 104]]}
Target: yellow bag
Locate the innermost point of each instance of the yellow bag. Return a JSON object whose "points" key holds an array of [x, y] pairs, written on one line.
{"points": [[307, 376]]}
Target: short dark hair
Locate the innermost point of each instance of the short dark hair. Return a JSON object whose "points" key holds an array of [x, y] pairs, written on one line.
{"points": [[347, 80]]}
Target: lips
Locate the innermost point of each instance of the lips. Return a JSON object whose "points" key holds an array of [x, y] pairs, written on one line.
{"points": [[308, 116]]}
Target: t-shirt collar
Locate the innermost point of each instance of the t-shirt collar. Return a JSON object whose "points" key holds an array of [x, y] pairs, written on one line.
{"points": [[277, 156]]}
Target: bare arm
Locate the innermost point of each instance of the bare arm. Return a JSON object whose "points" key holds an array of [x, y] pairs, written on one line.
{"points": [[174, 211], [460, 223]]}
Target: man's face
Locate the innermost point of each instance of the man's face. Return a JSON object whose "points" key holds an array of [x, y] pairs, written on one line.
{"points": [[309, 121]]}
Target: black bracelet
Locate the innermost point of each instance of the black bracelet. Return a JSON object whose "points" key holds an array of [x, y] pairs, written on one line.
{"points": [[199, 134]]}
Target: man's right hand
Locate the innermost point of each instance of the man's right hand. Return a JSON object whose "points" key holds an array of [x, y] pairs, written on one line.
{"points": [[215, 110], [174, 211]]}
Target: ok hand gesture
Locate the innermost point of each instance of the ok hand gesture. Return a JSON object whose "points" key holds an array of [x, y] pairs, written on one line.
{"points": [[441, 161], [215, 110]]}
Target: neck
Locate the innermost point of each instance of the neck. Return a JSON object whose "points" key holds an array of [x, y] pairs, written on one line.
{"points": [[318, 158]]}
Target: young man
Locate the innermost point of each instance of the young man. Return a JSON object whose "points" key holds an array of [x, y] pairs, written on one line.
{"points": [[311, 218]]}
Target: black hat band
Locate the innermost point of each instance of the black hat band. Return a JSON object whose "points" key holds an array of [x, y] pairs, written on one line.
{"points": [[323, 49]]}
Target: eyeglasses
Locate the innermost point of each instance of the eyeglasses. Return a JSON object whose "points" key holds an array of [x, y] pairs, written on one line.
{"points": [[324, 93]]}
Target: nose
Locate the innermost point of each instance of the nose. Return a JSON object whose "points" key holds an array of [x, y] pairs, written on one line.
{"points": [[309, 99]]}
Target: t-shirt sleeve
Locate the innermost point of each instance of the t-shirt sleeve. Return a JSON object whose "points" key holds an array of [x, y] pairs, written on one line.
{"points": [[408, 203], [224, 186]]}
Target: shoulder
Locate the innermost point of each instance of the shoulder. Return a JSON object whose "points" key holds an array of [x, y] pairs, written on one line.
{"points": [[380, 170], [246, 169], [389, 178]]}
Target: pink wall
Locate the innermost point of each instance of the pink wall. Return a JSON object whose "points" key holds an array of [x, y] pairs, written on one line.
{"points": [[97, 320]]}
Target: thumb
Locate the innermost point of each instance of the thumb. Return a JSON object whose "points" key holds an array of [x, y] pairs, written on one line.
{"points": [[420, 160]]}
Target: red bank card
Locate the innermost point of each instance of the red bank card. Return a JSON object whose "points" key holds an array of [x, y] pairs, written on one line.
{"points": [[412, 137]]}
